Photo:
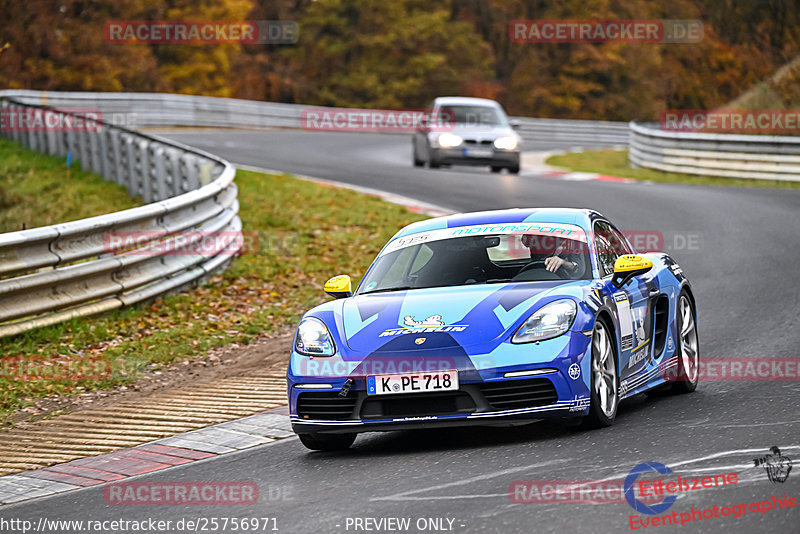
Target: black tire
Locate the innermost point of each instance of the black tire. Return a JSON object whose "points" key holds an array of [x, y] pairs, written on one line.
{"points": [[687, 377], [417, 162], [327, 442], [433, 163], [514, 169], [496, 169], [599, 417]]}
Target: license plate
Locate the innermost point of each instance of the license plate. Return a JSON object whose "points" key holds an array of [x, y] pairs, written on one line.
{"points": [[421, 382], [478, 152]]}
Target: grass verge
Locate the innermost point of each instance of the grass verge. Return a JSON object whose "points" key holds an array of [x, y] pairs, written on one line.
{"points": [[38, 190], [615, 163], [306, 234]]}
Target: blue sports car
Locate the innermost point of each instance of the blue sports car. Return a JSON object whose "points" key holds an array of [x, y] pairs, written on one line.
{"points": [[497, 317]]}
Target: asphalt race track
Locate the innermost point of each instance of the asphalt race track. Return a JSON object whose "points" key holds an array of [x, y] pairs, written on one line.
{"points": [[738, 246]]}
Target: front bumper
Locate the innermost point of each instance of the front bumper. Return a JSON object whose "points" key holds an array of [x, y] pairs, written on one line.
{"points": [[460, 156], [485, 395]]}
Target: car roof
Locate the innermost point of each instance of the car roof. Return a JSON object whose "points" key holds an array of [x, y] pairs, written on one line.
{"points": [[581, 217], [465, 101]]}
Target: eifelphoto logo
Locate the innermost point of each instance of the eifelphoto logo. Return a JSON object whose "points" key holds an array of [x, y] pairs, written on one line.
{"points": [[192, 32], [738, 121], [181, 493], [23, 119], [641, 506], [606, 31]]}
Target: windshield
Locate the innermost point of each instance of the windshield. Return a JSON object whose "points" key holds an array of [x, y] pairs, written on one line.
{"points": [[474, 115], [477, 259]]}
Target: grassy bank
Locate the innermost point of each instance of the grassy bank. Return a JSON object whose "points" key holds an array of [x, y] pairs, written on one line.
{"points": [[615, 163], [37, 190], [306, 234]]}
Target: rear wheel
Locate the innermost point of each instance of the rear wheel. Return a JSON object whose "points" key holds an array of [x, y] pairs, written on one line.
{"points": [[327, 442], [496, 169], [514, 169], [688, 347], [604, 397]]}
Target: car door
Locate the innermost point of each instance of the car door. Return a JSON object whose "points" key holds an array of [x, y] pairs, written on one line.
{"points": [[634, 305]]}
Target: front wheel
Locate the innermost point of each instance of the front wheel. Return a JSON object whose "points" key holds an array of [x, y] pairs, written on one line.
{"points": [[417, 162], [327, 442], [604, 397], [514, 169], [688, 347]]}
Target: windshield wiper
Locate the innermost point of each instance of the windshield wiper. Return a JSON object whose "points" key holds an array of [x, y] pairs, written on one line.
{"points": [[385, 289], [490, 281]]}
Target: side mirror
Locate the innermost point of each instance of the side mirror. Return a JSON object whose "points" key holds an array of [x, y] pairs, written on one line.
{"points": [[628, 266], [515, 123], [339, 286]]}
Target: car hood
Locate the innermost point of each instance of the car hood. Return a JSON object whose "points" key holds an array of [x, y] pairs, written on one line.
{"points": [[468, 314]]}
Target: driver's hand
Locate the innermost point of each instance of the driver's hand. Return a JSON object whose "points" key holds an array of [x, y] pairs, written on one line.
{"points": [[554, 263]]}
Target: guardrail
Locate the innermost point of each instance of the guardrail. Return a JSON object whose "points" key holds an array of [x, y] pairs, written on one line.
{"points": [[54, 273], [164, 109], [766, 157]]}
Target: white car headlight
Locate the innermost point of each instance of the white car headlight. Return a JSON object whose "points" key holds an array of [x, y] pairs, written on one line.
{"points": [[547, 322], [449, 140], [313, 338], [506, 143]]}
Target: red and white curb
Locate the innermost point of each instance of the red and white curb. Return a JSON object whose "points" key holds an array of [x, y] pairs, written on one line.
{"points": [[583, 177], [182, 449], [534, 164]]}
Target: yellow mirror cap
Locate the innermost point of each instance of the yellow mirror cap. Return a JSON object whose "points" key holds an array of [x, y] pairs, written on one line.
{"points": [[338, 284], [631, 262]]}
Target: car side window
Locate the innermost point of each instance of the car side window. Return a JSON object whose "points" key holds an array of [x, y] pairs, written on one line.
{"points": [[618, 242], [606, 254]]}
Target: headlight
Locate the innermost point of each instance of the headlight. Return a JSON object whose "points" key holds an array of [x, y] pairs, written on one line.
{"points": [[313, 338], [506, 143], [547, 322], [448, 140]]}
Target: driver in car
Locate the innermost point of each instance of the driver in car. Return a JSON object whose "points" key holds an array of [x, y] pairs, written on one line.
{"points": [[572, 262]]}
